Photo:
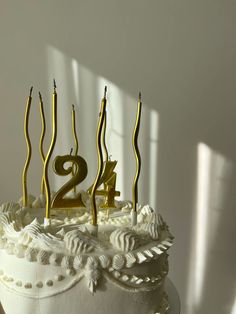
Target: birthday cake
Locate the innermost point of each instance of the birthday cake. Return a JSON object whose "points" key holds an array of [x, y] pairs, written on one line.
{"points": [[71, 261]]}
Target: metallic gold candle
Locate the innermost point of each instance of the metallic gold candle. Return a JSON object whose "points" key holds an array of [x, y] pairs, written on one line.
{"points": [[100, 158], [29, 149], [104, 137], [60, 200], [42, 139], [138, 160], [49, 153], [75, 140], [76, 148], [108, 179]]}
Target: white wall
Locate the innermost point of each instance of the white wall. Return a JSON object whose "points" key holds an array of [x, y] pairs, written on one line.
{"points": [[182, 56]]}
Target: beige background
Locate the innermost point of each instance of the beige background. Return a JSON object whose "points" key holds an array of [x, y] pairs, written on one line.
{"points": [[182, 56]]}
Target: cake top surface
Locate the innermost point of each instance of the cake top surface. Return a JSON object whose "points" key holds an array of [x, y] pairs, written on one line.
{"points": [[70, 231]]}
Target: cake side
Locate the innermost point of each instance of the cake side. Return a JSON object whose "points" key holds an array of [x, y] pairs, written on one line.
{"points": [[70, 291], [124, 264]]}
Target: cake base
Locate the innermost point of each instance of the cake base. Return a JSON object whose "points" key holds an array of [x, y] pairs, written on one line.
{"points": [[12, 303], [63, 268]]}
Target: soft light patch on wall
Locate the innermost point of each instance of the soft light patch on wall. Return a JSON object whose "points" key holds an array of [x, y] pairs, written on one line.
{"points": [[75, 74], [233, 311], [213, 180], [154, 126], [203, 186]]}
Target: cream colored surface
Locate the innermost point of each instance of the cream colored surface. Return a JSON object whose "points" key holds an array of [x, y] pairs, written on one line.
{"points": [[181, 54]]}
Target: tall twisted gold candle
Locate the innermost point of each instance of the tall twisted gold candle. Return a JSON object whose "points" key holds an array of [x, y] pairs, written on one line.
{"points": [[42, 139], [100, 158], [138, 160], [75, 139], [49, 153], [74, 130], [29, 149], [104, 137]]}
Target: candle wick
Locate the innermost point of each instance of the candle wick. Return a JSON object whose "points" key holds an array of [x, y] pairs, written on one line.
{"points": [[31, 89], [71, 151], [54, 85], [73, 107], [105, 91], [139, 96], [40, 97]]}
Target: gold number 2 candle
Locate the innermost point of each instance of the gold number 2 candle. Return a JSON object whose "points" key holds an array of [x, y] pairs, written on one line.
{"points": [[59, 200]]}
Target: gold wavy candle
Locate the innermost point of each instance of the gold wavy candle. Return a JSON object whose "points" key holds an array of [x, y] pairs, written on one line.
{"points": [[76, 148], [76, 145], [49, 153], [100, 158], [42, 139], [29, 149], [137, 154], [104, 137]]}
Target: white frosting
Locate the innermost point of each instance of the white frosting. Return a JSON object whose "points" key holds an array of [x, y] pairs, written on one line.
{"points": [[68, 252], [10, 207], [124, 239], [79, 242]]}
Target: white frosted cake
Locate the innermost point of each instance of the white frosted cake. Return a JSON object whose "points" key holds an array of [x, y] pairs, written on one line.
{"points": [[84, 253], [63, 268]]}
